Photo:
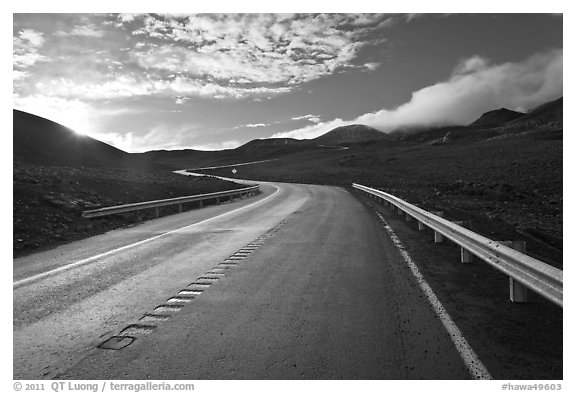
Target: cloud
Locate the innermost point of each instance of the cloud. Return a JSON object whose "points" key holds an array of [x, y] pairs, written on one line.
{"points": [[471, 65], [372, 66], [312, 131], [256, 48], [312, 118], [126, 17], [87, 30], [475, 87], [181, 100], [252, 125], [25, 49], [125, 86], [218, 56]]}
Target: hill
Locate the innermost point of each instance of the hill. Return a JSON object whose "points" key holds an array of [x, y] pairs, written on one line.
{"points": [[269, 142], [549, 114], [44, 142], [496, 117], [40, 141], [273, 148], [350, 134]]}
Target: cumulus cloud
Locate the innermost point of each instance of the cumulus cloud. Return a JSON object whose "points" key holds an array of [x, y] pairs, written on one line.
{"points": [[475, 87], [86, 30], [181, 100], [256, 48], [25, 49], [471, 65], [125, 86], [252, 125], [218, 56], [312, 118], [372, 66]]}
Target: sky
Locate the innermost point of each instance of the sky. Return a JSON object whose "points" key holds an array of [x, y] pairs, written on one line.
{"points": [[145, 82]]}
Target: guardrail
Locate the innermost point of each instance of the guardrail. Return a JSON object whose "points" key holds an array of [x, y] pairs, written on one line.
{"points": [[172, 201], [523, 270]]}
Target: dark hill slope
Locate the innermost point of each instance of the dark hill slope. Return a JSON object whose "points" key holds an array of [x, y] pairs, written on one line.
{"points": [[179, 159], [270, 142], [354, 133], [496, 118], [272, 147], [40, 141], [44, 142], [549, 114]]}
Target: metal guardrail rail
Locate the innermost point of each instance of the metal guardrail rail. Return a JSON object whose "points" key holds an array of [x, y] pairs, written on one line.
{"points": [[536, 275], [165, 202]]}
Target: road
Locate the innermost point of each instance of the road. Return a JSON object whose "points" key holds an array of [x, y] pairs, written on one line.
{"points": [[315, 289]]}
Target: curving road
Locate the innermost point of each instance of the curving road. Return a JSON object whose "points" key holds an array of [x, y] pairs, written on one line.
{"points": [[301, 282]]}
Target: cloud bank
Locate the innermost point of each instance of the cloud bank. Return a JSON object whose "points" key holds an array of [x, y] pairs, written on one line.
{"points": [[219, 56], [474, 87], [255, 48]]}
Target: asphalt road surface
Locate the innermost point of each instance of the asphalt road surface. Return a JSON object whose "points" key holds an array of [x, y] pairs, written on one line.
{"points": [[300, 282]]}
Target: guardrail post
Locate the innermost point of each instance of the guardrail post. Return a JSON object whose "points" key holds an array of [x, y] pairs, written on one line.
{"points": [[179, 208], [438, 237], [465, 255], [156, 212], [421, 226], [518, 292], [408, 217], [200, 204]]}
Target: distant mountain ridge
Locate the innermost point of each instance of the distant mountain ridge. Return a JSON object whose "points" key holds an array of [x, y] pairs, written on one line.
{"points": [[548, 113], [269, 142], [43, 142], [353, 133]]}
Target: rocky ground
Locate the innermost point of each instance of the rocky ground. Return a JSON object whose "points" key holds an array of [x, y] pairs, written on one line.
{"points": [[49, 200]]}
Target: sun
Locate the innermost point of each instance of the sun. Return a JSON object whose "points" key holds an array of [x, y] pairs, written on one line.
{"points": [[76, 121], [76, 115]]}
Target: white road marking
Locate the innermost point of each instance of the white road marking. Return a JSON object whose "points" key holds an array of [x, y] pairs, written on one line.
{"points": [[18, 283], [475, 367]]}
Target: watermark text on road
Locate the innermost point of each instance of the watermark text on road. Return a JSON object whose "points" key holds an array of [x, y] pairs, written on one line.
{"points": [[102, 386]]}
